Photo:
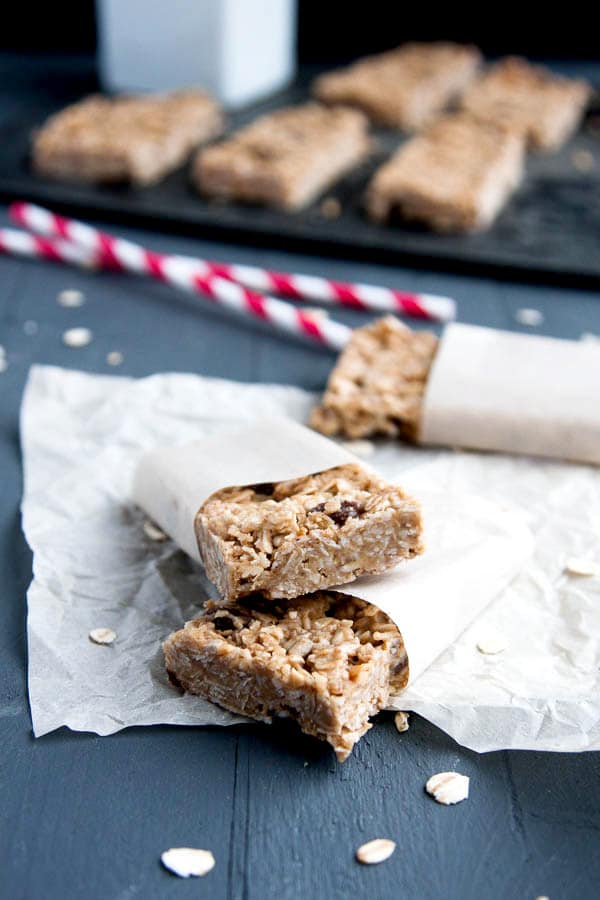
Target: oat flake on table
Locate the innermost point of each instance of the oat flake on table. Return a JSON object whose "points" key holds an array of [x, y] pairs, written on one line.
{"points": [[71, 298], [77, 337], [186, 862], [448, 788], [374, 852], [102, 636]]}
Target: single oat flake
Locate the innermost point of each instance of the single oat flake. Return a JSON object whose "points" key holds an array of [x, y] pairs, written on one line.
{"points": [[71, 298], [530, 317], [114, 358], [401, 721], [448, 787], [491, 644], [376, 851], [576, 565], [187, 861], [102, 635], [153, 532], [77, 337]]}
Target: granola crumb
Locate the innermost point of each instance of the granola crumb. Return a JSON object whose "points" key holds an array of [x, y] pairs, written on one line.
{"points": [[583, 160], [576, 565], [114, 358], [153, 532], [376, 851], [401, 721], [102, 636], [77, 337], [490, 644], [530, 317], [71, 298], [187, 861], [331, 208], [448, 788]]}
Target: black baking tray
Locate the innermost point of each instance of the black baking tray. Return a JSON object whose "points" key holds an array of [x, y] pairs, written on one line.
{"points": [[550, 229]]}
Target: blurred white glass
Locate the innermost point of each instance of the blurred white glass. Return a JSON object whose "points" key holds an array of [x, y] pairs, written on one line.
{"points": [[240, 50]]}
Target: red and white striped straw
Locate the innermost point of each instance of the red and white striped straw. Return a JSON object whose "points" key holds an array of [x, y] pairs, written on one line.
{"points": [[22, 243], [298, 287], [131, 258]]}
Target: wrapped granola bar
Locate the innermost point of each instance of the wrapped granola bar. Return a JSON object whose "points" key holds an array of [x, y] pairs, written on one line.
{"points": [[255, 531], [476, 387]]}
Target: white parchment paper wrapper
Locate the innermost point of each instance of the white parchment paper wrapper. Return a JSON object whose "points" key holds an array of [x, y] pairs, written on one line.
{"points": [[82, 436], [496, 390], [474, 547]]}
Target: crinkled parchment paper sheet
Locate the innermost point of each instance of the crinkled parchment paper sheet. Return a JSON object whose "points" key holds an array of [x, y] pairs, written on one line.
{"points": [[94, 567]]}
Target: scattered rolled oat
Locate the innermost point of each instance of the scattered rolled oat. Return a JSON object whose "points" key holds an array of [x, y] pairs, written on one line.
{"points": [[448, 787], [491, 643], [71, 298], [30, 327], [153, 532], [575, 565], [376, 851], [114, 358], [102, 635], [530, 317], [77, 337], [187, 861], [360, 447], [3, 364], [401, 721], [583, 160], [331, 208]]}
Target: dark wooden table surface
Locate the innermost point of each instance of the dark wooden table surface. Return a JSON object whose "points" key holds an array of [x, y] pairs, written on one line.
{"points": [[87, 817]]}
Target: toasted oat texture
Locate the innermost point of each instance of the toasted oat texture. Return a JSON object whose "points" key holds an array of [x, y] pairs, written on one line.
{"points": [[546, 108], [285, 159], [130, 138], [403, 88], [378, 383], [307, 534], [328, 660], [454, 177]]}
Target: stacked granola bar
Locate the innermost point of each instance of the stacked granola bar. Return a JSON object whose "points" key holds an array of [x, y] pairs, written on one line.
{"points": [[282, 641]]}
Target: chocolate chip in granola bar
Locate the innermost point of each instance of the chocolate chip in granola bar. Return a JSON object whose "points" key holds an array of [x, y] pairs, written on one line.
{"points": [[223, 622], [347, 510], [265, 489]]}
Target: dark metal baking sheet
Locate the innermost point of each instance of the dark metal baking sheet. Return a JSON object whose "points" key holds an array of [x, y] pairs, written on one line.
{"points": [[551, 228]]}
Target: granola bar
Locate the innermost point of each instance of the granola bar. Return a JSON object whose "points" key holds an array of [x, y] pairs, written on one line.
{"points": [[131, 138], [285, 159], [532, 100], [307, 534], [378, 383], [453, 177], [328, 660], [403, 88]]}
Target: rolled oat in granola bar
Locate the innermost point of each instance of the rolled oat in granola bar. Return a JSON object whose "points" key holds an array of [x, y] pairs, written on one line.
{"points": [[328, 660], [307, 534]]}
